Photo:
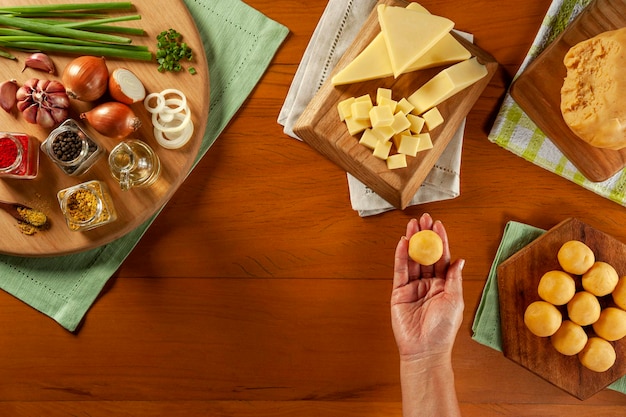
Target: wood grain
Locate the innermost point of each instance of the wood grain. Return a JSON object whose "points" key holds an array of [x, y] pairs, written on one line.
{"points": [[137, 205], [518, 279], [259, 291], [320, 127], [538, 90]]}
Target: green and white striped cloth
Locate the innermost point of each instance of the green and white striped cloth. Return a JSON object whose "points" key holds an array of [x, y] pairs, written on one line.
{"points": [[516, 132]]}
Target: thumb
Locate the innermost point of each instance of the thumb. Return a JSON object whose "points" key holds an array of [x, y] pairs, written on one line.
{"points": [[454, 279]]}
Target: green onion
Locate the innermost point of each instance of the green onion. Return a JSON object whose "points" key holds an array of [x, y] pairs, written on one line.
{"points": [[104, 50], [170, 51], [120, 5], [73, 28], [56, 30]]}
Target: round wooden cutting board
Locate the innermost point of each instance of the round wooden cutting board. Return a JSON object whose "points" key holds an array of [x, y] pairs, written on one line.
{"points": [[137, 205]]}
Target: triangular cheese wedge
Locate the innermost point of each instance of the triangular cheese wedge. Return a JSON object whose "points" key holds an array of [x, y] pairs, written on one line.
{"points": [[409, 34], [374, 63]]}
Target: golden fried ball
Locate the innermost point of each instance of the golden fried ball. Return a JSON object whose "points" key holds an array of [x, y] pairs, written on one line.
{"points": [[619, 293], [556, 287], [584, 308], [575, 257], [542, 318], [425, 247], [600, 279], [612, 324], [570, 339], [598, 355]]}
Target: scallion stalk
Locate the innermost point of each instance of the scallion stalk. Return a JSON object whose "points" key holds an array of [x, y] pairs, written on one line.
{"points": [[120, 5], [110, 51], [59, 31]]}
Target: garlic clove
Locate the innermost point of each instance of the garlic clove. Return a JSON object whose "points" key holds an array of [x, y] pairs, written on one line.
{"points": [[40, 61], [8, 91]]}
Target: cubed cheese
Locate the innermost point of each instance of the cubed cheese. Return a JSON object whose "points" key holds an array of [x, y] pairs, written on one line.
{"points": [[417, 123], [369, 139], [400, 122], [381, 116], [383, 93], [382, 149], [384, 132], [392, 104], [409, 145], [396, 161], [344, 108], [357, 126], [432, 119], [404, 106], [425, 142], [361, 110]]}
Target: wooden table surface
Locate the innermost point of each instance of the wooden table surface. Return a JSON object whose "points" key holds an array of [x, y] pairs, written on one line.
{"points": [[258, 291]]}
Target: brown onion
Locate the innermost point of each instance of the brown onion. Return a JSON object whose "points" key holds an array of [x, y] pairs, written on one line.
{"points": [[43, 102], [126, 87], [112, 119], [86, 78]]}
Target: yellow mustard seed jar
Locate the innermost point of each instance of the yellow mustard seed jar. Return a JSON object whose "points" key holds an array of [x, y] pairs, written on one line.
{"points": [[87, 205]]}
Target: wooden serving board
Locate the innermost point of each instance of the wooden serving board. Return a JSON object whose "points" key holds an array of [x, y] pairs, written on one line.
{"points": [[538, 90], [137, 205], [518, 279], [320, 127]]}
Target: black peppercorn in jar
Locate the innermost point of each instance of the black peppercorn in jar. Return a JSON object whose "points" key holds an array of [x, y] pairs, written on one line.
{"points": [[71, 148]]}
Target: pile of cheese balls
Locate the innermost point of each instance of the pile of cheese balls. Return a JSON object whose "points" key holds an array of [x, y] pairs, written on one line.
{"points": [[590, 325]]}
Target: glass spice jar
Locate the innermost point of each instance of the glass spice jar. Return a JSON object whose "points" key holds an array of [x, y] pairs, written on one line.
{"points": [[19, 156], [87, 205], [71, 149]]}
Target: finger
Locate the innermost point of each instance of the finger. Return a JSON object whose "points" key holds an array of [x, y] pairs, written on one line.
{"points": [[441, 266], [426, 222], [412, 227], [454, 280], [401, 263]]}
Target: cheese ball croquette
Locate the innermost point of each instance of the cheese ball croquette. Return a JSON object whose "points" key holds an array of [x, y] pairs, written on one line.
{"points": [[425, 247], [600, 279], [598, 355], [575, 257], [612, 324], [584, 308], [556, 287], [570, 339], [542, 318]]}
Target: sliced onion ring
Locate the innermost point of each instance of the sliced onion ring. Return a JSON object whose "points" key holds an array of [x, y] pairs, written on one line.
{"points": [[160, 102], [177, 140], [186, 119], [181, 105]]}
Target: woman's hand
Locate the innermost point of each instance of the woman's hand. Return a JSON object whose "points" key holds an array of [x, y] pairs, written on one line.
{"points": [[427, 301]]}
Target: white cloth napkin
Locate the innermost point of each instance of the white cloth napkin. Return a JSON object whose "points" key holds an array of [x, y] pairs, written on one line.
{"points": [[340, 23]]}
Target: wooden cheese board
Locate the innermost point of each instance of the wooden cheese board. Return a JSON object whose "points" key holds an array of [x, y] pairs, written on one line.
{"points": [[518, 279], [320, 127], [538, 90], [136, 205]]}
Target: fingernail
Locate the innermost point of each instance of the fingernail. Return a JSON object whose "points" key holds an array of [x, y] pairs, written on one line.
{"points": [[461, 264]]}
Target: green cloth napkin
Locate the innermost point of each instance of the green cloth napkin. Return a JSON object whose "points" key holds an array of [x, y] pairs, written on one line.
{"points": [[239, 44], [486, 327], [516, 132]]}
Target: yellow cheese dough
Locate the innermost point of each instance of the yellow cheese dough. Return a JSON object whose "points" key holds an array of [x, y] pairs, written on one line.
{"points": [[592, 95], [598, 355]]}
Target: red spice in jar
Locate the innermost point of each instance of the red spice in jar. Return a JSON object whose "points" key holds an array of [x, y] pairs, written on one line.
{"points": [[19, 157]]}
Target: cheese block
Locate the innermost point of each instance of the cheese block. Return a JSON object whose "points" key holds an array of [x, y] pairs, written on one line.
{"points": [[374, 62], [446, 84], [408, 34]]}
